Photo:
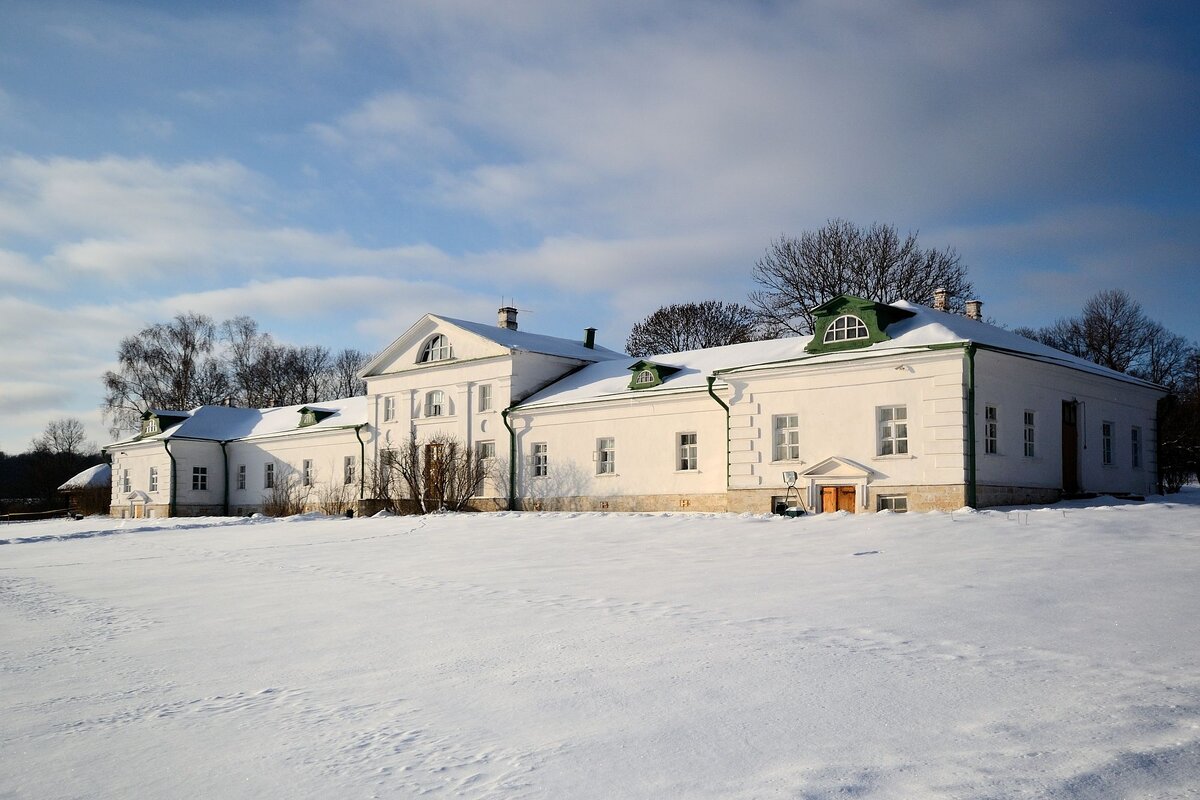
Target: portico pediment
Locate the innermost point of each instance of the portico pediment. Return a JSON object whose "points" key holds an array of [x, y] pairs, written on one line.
{"points": [[838, 467]]}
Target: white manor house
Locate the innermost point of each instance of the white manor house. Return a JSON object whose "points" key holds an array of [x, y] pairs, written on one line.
{"points": [[886, 406]]}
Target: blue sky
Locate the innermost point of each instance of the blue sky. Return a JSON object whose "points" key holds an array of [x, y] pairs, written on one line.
{"points": [[335, 169]]}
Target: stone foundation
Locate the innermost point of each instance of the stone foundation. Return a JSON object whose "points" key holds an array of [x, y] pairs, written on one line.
{"points": [[987, 496], [641, 502]]}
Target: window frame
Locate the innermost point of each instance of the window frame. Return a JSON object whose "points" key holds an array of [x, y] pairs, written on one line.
{"points": [[436, 348], [782, 446], [153, 479], [687, 453], [389, 408], [269, 475], [539, 459], [1107, 430], [199, 479], [484, 397], [126, 482], [1030, 433], [836, 332], [991, 430], [1135, 447], [306, 472], [480, 446], [241, 478], [439, 404], [349, 470], [886, 431], [889, 502], [606, 455]]}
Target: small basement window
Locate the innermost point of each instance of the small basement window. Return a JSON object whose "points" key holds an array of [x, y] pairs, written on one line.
{"points": [[893, 502]]}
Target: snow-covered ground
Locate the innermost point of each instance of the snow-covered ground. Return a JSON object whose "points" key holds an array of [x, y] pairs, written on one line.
{"points": [[1033, 653]]}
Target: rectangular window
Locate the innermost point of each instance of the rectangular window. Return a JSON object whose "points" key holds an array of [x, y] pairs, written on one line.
{"points": [[1106, 443], [435, 403], [893, 430], [269, 475], [306, 472], [485, 451], [348, 469], [1135, 443], [199, 479], [540, 460], [687, 452], [389, 458], [606, 456], [893, 502], [125, 484], [485, 397], [154, 478], [991, 430], [389, 409], [787, 437], [241, 476], [1030, 434]]}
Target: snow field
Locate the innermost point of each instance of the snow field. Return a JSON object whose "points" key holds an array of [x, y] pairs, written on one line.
{"points": [[1033, 653]]}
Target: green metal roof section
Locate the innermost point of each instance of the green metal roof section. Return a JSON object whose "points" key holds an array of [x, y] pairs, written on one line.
{"points": [[875, 316]]}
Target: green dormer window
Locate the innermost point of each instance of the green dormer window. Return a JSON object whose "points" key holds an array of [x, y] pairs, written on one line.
{"points": [[311, 416], [847, 322], [155, 421], [647, 375]]}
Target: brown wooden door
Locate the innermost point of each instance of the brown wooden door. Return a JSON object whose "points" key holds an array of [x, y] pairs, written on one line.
{"points": [[433, 472], [837, 498], [1070, 447]]}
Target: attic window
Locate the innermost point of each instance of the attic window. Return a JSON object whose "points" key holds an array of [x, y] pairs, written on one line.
{"points": [[436, 349], [647, 375], [150, 425], [308, 418], [311, 416], [846, 328]]}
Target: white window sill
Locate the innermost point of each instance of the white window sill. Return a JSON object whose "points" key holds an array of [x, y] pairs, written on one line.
{"points": [[608, 474], [895, 457]]}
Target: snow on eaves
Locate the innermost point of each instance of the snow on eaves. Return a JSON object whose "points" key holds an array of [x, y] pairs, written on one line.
{"points": [[926, 328], [96, 477], [225, 424], [534, 342]]}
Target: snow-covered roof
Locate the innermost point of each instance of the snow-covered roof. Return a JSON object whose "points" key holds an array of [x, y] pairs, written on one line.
{"points": [[925, 328], [533, 342], [222, 423], [96, 477]]}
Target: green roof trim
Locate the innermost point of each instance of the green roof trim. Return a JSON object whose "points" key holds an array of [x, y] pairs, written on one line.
{"points": [[866, 323], [647, 374]]}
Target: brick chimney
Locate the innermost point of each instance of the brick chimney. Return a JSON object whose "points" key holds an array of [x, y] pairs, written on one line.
{"points": [[975, 309], [507, 318], [941, 299]]}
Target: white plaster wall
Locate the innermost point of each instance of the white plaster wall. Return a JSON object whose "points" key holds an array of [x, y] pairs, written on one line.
{"points": [[645, 431], [1014, 384], [188, 454], [327, 449], [138, 458], [837, 408]]}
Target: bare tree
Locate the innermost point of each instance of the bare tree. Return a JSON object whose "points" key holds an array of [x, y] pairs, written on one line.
{"points": [[288, 496], [692, 326], [440, 473], [342, 375], [796, 275], [65, 435], [167, 365]]}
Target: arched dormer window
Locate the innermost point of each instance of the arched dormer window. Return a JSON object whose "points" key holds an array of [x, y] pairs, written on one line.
{"points": [[436, 349], [644, 377], [846, 328], [435, 403]]}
